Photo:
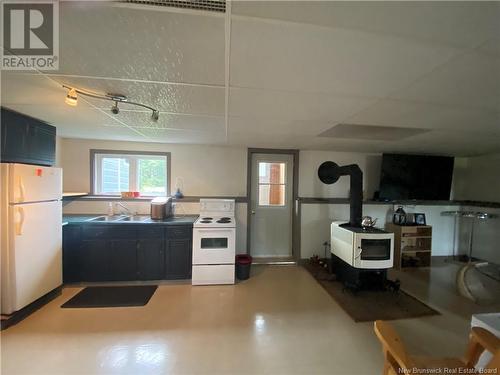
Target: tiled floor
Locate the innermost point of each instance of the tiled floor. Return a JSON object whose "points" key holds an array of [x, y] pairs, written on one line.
{"points": [[278, 322]]}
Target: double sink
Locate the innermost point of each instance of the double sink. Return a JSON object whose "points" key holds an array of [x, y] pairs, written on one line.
{"points": [[130, 218]]}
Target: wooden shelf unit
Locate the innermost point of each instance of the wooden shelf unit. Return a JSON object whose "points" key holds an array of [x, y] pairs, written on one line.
{"points": [[412, 245]]}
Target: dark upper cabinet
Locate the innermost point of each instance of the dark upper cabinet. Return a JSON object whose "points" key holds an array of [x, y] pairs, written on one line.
{"points": [[26, 140]]}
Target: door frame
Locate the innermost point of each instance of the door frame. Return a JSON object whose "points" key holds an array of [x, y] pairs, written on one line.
{"points": [[295, 196]]}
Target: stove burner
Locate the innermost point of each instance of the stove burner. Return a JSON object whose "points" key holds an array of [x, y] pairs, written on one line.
{"points": [[205, 221], [207, 218], [225, 218], [224, 221]]}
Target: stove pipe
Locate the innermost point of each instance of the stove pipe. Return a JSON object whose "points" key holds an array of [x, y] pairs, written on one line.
{"points": [[329, 172]]}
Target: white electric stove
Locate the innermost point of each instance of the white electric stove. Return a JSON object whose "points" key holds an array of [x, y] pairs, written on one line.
{"points": [[214, 243]]}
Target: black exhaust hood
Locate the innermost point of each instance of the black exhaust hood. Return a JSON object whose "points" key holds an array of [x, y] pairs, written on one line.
{"points": [[329, 172]]}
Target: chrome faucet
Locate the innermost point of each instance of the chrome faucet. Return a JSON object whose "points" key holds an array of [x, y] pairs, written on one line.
{"points": [[125, 208]]}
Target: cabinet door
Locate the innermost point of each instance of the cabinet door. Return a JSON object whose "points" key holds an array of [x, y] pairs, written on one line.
{"points": [[123, 260], [178, 259], [72, 253], [26, 139], [151, 259], [42, 143], [95, 260], [14, 137]]}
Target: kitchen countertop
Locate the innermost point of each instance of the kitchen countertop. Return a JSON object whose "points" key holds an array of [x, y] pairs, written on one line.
{"points": [[85, 219]]}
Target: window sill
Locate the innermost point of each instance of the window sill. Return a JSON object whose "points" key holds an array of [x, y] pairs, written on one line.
{"points": [[91, 197]]}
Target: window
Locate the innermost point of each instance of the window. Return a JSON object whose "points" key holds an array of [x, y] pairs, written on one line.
{"points": [[272, 184], [117, 171]]}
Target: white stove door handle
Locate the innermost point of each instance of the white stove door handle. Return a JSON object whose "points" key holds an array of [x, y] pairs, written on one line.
{"points": [[359, 254]]}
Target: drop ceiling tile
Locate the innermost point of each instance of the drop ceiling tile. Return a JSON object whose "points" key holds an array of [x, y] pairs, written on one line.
{"points": [[470, 80], [402, 113], [18, 88], [491, 46], [293, 106], [457, 23], [142, 120], [265, 128], [371, 132], [106, 39], [451, 143], [184, 136], [306, 58]]}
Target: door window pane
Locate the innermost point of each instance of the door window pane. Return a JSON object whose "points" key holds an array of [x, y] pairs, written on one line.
{"points": [[272, 173], [272, 188], [271, 195], [152, 176]]}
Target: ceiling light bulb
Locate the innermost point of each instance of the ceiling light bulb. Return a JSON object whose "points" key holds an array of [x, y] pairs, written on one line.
{"points": [[71, 98]]}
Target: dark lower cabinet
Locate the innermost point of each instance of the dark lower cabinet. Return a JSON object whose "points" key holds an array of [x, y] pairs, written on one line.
{"points": [[123, 260], [178, 259], [114, 252], [95, 260], [72, 235], [151, 259]]}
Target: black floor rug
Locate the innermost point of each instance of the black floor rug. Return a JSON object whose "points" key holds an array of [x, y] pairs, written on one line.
{"points": [[368, 306], [112, 296]]}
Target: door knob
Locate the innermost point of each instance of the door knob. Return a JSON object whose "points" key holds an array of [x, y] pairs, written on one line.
{"points": [[253, 212]]}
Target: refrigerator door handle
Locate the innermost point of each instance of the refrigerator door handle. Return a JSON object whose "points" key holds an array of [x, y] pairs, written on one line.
{"points": [[20, 223], [21, 189]]}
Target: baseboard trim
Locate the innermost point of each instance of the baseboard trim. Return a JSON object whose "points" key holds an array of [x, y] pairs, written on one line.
{"points": [[10, 320]]}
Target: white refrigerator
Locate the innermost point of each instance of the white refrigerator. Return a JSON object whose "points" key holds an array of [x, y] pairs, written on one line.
{"points": [[31, 228]]}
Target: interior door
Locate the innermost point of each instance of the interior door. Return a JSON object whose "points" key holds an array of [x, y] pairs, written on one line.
{"points": [[271, 205]]}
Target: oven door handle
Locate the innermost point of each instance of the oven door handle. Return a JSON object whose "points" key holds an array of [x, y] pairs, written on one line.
{"points": [[212, 230], [359, 254]]}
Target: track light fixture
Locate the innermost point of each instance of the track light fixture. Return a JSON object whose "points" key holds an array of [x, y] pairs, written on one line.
{"points": [[72, 99], [114, 108], [155, 115]]}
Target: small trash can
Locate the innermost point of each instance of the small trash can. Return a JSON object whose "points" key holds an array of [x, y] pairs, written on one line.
{"points": [[243, 263]]}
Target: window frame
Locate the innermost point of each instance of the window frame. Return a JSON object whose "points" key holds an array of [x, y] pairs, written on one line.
{"points": [[96, 154]]}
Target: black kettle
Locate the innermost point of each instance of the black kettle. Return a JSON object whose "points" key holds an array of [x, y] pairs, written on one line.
{"points": [[399, 217]]}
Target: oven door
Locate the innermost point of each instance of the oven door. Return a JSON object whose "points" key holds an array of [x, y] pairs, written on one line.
{"points": [[373, 250], [213, 246]]}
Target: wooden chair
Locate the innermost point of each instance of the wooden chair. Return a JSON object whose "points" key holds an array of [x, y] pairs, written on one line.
{"points": [[397, 361]]}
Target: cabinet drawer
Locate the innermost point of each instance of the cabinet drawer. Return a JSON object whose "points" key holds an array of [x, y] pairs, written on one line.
{"points": [[90, 232], [147, 232], [108, 231], [179, 231]]}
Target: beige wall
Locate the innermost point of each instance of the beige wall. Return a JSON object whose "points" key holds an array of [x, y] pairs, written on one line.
{"points": [[222, 171], [311, 186], [477, 178], [205, 170]]}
